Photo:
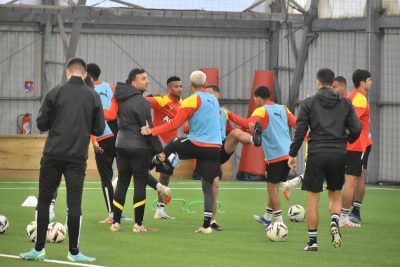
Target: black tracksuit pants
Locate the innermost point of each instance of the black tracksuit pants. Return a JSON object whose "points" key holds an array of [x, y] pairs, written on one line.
{"points": [[136, 163], [51, 171], [104, 162]]}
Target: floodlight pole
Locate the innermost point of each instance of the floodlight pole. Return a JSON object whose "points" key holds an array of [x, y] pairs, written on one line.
{"points": [[374, 66]]}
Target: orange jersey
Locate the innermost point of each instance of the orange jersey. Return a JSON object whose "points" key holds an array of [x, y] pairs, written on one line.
{"points": [[360, 104], [165, 109]]}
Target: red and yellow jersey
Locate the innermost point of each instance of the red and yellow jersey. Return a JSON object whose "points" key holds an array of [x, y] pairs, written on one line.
{"points": [[187, 109], [110, 114], [261, 114], [360, 104], [165, 109]]}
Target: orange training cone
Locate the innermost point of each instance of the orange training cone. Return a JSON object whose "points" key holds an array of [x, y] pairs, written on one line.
{"points": [[252, 163]]}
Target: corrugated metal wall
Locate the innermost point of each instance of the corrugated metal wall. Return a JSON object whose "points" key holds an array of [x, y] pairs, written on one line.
{"points": [[165, 55], [390, 112], [25, 43]]}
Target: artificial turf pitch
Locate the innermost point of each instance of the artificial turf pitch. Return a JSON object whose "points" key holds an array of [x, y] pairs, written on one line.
{"points": [[242, 242]]}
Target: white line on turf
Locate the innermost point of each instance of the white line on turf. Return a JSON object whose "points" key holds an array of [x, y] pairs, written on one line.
{"points": [[55, 261], [188, 188]]}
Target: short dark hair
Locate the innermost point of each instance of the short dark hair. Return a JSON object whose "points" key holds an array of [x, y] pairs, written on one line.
{"points": [[340, 79], [76, 61], [359, 76], [325, 76], [133, 73], [263, 92], [173, 79], [93, 71], [214, 87]]}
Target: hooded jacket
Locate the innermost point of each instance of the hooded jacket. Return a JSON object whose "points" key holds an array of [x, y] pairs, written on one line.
{"points": [[332, 122], [71, 113], [133, 112]]}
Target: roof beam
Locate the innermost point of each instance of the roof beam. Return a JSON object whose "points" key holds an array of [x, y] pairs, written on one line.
{"points": [[256, 4]]}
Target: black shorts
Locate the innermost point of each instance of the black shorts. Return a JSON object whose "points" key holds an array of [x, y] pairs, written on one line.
{"points": [[167, 169], [354, 163], [223, 155], [365, 157], [320, 166], [278, 171], [207, 158]]}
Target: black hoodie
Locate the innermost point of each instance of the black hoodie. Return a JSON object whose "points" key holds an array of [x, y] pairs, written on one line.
{"points": [[133, 111], [328, 116]]}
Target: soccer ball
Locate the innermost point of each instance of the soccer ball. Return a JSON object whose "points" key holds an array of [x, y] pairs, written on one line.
{"points": [[114, 183], [277, 231], [4, 224], [55, 232], [296, 213], [31, 231]]}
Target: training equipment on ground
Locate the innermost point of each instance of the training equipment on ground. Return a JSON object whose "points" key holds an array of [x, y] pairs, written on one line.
{"points": [[277, 231], [4, 224], [55, 232], [31, 231], [296, 213]]}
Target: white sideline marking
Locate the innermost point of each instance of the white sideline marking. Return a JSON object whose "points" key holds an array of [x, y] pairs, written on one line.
{"points": [[187, 188], [55, 261]]}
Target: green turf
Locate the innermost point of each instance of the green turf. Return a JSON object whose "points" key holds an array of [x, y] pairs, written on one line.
{"points": [[241, 243]]}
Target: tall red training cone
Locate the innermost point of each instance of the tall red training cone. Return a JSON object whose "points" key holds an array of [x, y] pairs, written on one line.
{"points": [[252, 162]]}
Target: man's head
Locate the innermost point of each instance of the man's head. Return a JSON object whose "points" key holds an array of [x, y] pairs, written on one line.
{"points": [[76, 67], [362, 79], [93, 70], [137, 78], [325, 78], [213, 89], [261, 95], [174, 86], [339, 84], [197, 80]]}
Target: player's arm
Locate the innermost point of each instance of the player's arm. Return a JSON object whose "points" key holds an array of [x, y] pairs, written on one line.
{"points": [[353, 125], [259, 114], [43, 119], [155, 102], [145, 119], [111, 113], [229, 127], [301, 128], [186, 128], [291, 118], [188, 107], [98, 123]]}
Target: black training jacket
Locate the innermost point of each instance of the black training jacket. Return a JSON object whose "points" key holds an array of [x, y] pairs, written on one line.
{"points": [[71, 113], [133, 111], [328, 116]]}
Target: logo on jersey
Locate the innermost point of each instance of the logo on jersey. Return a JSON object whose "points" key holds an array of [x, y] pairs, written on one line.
{"points": [[166, 119], [105, 94]]}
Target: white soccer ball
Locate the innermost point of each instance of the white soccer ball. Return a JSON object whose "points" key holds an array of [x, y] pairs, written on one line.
{"points": [[114, 183], [31, 231], [277, 231], [4, 224], [296, 213], [55, 232]]}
